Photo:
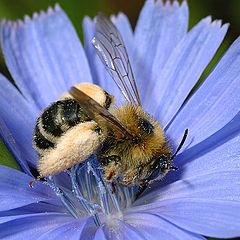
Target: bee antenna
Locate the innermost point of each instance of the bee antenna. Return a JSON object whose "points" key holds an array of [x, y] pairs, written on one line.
{"points": [[181, 144]]}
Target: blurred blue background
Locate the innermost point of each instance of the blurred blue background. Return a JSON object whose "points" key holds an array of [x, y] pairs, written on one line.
{"points": [[227, 10]]}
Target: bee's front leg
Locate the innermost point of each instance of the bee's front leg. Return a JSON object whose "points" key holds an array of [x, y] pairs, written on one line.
{"points": [[144, 184]]}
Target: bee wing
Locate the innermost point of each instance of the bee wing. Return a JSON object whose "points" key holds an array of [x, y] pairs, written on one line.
{"points": [[111, 50], [98, 113]]}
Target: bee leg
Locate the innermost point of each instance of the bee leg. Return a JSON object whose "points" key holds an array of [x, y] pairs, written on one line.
{"points": [[173, 168], [142, 188], [113, 187], [34, 180]]}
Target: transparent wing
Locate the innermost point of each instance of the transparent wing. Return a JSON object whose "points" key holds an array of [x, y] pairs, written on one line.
{"points": [[98, 113], [112, 52]]}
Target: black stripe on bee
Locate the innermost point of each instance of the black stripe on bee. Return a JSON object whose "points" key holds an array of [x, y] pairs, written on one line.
{"points": [[40, 141], [49, 121], [108, 100], [55, 121], [71, 113]]}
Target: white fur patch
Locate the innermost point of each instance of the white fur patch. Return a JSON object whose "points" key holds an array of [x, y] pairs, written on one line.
{"points": [[76, 145]]}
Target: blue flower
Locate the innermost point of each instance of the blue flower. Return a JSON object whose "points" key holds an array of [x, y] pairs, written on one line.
{"points": [[45, 58]]}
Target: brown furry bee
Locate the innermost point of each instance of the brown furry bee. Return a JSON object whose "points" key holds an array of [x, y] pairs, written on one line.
{"points": [[130, 145]]}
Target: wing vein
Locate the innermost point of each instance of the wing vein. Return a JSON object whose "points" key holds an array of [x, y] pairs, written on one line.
{"points": [[112, 52]]}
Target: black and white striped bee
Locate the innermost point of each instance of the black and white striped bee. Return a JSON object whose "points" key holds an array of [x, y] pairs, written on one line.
{"points": [[131, 146], [62, 132]]}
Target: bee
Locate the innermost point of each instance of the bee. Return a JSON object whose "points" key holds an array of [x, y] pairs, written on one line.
{"points": [[131, 146]]}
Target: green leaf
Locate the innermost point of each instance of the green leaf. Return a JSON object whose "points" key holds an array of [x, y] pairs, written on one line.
{"points": [[6, 157]]}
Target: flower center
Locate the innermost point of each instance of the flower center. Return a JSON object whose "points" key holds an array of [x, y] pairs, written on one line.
{"points": [[89, 194]]}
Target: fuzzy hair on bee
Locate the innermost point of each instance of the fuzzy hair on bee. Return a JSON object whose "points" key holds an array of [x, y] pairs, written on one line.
{"points": [[148, 143], [131, 146], [64, 135]]}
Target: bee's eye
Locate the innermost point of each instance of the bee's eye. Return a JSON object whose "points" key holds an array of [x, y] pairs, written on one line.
{"points": [[146, 126]]}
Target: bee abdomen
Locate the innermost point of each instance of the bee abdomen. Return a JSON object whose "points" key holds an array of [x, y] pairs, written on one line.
{"points": [[40, 143], [48, 120], [71, 113], [55, 121]]}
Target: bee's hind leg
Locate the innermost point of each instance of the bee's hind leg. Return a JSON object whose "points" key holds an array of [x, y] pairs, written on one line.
{"points": [[34, 180]]}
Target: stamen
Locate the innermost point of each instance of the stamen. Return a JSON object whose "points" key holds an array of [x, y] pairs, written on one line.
{"points": [[127, 196], [86, 205], [91, 194], [101, 189], [88, 179], [50, 181], [113, 196]]}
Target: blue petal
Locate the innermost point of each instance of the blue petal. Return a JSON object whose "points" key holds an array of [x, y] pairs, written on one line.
{"points": [[44, 55], [217, 153], [119, 230], [100, 235], [11, 144], [154, 227], [88, 230], [209, 217], [15, 191], [19, 117], [214, 104], [99, 73], [40, 207], [15, 213], [184, 67], [71, 230], [32, 227], [221, 185], [159, 29]]}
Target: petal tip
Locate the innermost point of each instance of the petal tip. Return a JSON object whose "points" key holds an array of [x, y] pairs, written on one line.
{"points": [[87, 19], [217, 23], [207, 20], [167, 4], [184, 3], [20, 22], [57, 7], [121, 15], [225, 26], [35, 15], [27, 19], [3, 22], [50, 11], [175, 3]]}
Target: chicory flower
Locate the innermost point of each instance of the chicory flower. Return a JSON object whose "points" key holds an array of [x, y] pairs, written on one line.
{"points": [[45, 58]]}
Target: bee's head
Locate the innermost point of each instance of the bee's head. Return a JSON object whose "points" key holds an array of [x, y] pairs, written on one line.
{"points": [[155, 170], [158, 167]]}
